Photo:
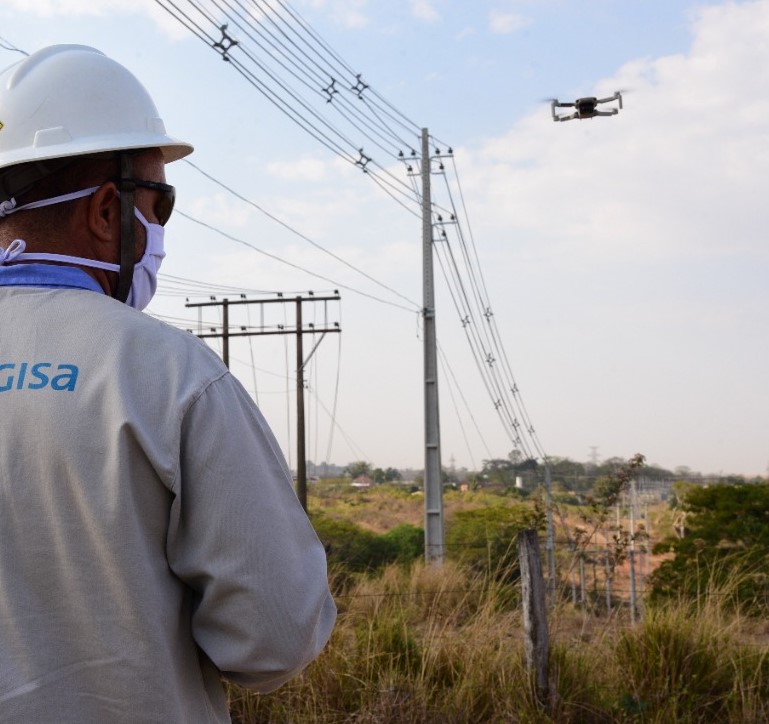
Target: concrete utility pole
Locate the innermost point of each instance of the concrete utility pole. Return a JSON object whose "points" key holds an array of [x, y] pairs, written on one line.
{"points": [[434, 533], [299, 330]]}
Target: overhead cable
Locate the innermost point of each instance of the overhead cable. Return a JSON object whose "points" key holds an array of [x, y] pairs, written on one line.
{"points": [[288, 100], [302, 236], [289, 263]]}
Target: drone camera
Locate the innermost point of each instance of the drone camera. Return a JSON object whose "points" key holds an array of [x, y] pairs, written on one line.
{"points": [[586, 105]]}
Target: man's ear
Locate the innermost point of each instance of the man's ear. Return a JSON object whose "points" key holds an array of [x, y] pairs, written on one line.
{"points": [[104, 212]]}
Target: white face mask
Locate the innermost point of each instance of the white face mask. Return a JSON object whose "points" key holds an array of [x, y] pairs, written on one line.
{"points": [[145, 276]]}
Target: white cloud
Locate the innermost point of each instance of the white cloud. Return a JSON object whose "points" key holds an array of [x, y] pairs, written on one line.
{"points": [[503, 23], [349, 13], [307, 169], [53, 8], [425, 10], [221, 209], [48, 9]]}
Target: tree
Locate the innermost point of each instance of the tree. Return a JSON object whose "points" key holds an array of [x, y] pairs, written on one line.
{"points": [[498, 470], [609, 467], [657, 473], [725, 546], [358, 468], [571, 475], [595, 516], [385, 476], [526, 465]]}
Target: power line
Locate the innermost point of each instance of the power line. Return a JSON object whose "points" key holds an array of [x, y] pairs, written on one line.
{"points": [[303, 237], [481, 355], [299, 51], [354, 447], [286, 98], [289, 263], [336, 396], [492, 348], [320, 83], [486, 340], [7, 45], [315, 38]]}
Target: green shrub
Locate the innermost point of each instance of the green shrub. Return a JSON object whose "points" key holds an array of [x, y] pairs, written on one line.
{"points": [[387, 646], [578, 687], [408, 542], [725, 549], [358, 550], [485, 538], [674, 665]]}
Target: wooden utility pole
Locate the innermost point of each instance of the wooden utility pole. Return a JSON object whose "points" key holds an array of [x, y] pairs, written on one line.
{"points": [[631, 556], [550, 542], [535, 633], [608, 569], [299, 331], [301, 462]]}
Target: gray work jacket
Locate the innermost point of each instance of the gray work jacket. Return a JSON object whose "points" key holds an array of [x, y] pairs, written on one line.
{"points": [[150, 538]]}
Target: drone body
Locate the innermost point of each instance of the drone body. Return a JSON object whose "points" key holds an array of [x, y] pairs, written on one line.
{"points": [[586, 108]]}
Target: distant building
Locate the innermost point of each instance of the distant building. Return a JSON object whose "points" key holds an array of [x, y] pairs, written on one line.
{"points": [[362, 482]]}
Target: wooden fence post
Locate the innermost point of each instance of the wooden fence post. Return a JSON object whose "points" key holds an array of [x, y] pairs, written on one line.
{"points": [[535, 634]]}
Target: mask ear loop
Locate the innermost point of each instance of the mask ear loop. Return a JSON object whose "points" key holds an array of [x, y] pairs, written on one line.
{"points": [[127, 239]]}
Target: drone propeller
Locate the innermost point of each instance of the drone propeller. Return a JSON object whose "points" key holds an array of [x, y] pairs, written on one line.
{"points": [[620, 91]]}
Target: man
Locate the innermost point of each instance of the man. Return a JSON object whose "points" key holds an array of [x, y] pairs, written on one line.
{"points": [[150, 539]]}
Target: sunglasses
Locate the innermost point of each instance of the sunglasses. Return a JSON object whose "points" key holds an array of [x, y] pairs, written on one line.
{"points": [[164, 204]]}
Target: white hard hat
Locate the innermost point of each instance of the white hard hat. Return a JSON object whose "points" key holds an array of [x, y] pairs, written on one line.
{"points": [[72, 100]]}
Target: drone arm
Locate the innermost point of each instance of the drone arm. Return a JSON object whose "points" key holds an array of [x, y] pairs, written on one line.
{"points": [[616, 97], [555, 103]]}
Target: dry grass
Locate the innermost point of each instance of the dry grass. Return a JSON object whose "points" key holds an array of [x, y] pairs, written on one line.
{"points": [[382, 508], [443, 644]]}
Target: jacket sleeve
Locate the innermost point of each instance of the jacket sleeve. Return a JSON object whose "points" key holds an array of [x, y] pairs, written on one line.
{"points": [[239, 538]]}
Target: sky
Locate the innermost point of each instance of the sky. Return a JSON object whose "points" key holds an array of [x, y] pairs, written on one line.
{"points": [[624, 258]]}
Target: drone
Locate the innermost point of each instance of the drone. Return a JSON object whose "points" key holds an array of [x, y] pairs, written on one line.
{"points": [[586, 107]]}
